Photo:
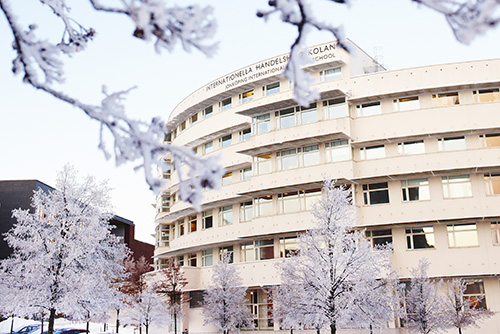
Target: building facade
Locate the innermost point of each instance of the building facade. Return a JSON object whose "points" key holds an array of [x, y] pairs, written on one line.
{"points": [[419, 146]]}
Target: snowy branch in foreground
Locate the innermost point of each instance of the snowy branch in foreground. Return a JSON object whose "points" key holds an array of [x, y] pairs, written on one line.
{"points": [[39, 62]]}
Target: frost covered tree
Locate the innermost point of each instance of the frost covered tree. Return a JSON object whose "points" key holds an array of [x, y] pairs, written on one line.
{"points": [[462, 312], [327, 283], [39, 62], [424, 304], [64, 255], [170, 284], [224, 301]]}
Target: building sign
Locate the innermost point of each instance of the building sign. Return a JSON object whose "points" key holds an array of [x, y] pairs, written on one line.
{"points": [[268, 68]]}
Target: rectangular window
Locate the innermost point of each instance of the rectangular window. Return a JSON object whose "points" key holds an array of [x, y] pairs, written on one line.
{"points": [[420, 237], [246, 96], [451, 144], [182, 126], [293, 158], [207, 219], [474, 293], [260, 306], [194, 119], [226, 250], [263, 164], [246, 211], [226, 215], [193, 223], [209, 111], [447, 99], [180, 260], [246, 174], [495, 233], [225, 104], [415, 190], [261, 124], [407, 103], [368, 109], [379, 238], [308, 115], [330, 74], [462, 235], [182, 228], [245, 134], [287, 159], [289, 202], [487, 95], [456, 186], [272, 88], [376, 193], [288, 246], [335, 108], [208, 147], [264, 249], [285, 118], [310, 155], [192, 257], [196, 298], [311, 197], [247, 252], [492, 181], [491, 140], [207, 258], [225, 141], [263, 206], [338, 150], [227, 179], [373, 152], [411, 147]]}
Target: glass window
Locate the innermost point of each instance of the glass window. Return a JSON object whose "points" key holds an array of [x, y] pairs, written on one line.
{"points": [[182, 126], [207, 257], [447, 99], [246, 211], [193, 223], [462, 235], [227, 179], [226, 250], [487, 95], [246, 174], [308, 115], [474, 293], [247, 252], [285, 118], [261, 124], [264, 249], [172, 232], [225, 141], [451, 144], [196, 298], [491, 140], [420, 237], [456, 186], [376, 193], [293, 158], [335, 108], [310, 155], [209, 111], [415, 190], [330, 74], [192, 257], [225, 104], [289, 202], [311, 197], [207, 219], [208, 147], [288, 246], [226, 215], [259, 303], [246, 96], [373, 152], [245, 134], [194, 119], [180, 260], [338, 150], [492, 181], [379, 238], [495, 233], [182, 228], [407, 103], [263, 164], [271, 89], [263, 206], [368, 109], [287, 159], [411, 147]]}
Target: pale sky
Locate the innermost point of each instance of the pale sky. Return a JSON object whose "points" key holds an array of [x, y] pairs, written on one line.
{"points": [[39, 134]]}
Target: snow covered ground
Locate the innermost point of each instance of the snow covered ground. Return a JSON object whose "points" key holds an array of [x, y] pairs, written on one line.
{"points": [[63, 323]]}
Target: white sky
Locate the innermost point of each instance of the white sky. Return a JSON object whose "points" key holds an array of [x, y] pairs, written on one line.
{"points": [[39, 135]]}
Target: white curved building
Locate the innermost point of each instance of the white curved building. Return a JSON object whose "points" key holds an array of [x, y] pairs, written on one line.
{"points": [[421, 147]]}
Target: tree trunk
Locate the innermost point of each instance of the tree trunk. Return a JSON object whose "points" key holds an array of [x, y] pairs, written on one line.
{"points": [[333, 328], [175, 323], [117, 319], [41, 325], [12, 324], [52, 317], [88, 325], [459, 330], [371, 329]]}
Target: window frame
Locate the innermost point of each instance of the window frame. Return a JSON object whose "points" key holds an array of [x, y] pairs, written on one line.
{"points": [[207, 257], [449, 184], [334, 73], [408, 185], [455, 232], [224, 213], [451, 144], [406, 103], [335, 108], [411, 147], [368, 109], [207, 215], [226, 104], [271, 88], [372, 152], [411, 234], [372, 188], [445, 99]]}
